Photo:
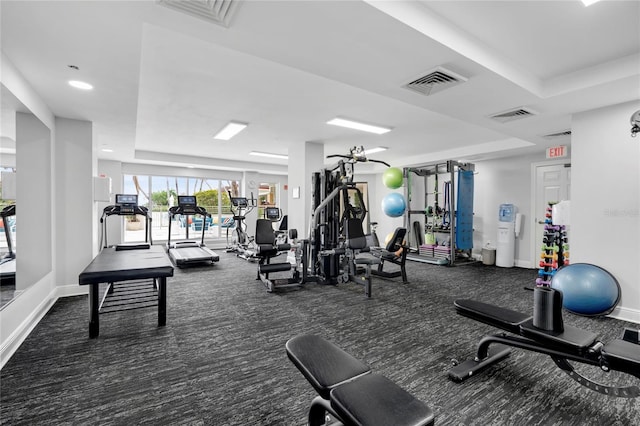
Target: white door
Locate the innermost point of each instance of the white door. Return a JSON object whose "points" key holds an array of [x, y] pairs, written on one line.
{"points": [[553, 183]]}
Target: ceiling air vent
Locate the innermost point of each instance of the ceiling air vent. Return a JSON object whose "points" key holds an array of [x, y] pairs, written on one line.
{"points": [[218, 11], [514, 114], [435, 81], [556, 135]]}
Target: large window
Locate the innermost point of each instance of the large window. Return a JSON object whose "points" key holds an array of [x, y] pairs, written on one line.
{"points": [[159, 193]]}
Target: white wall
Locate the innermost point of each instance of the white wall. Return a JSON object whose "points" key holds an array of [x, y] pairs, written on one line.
{"points": [[112, 170], [605, 199], [505, 180]]}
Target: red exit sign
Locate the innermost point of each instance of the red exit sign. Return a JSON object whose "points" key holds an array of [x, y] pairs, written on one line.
{"points": [[557, 151]]}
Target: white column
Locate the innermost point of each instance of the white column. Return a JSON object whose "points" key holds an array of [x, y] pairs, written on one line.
{"points": [[74, 198], [304, 159]]}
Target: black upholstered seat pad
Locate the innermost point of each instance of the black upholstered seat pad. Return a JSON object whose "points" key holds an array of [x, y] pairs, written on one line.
{"points": [[496, 316], [376, 400], [111, 265], [623, 355], [322, 363], [571, 339]]}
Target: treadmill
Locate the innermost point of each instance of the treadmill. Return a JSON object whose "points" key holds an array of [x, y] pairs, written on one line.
{"points": [[127, 205], [189, 252], [8, 261]]}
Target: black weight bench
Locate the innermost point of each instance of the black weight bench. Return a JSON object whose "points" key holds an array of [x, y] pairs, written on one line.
{"points": [[349, 391], [562, 345]]}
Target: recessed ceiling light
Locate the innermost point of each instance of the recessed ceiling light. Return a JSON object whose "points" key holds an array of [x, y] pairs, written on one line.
{"points": [[374, 150], [589, 2], [106, 150], [80, 85], [230, 130], [268, 154], [342, 122]]}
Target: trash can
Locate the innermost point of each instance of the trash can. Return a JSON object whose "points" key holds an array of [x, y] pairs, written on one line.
{"points": [[488, 255]]}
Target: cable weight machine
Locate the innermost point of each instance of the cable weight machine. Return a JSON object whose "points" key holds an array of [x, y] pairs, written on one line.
{"points": [[325, 257]]}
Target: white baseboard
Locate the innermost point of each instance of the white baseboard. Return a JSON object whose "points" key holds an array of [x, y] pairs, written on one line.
{"points": [[524, 264], [72, 290], [13, 342], [626, 314]]}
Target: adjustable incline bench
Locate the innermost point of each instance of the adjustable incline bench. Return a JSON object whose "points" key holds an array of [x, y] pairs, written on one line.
{"points": [[349, 391], [548, 336]]}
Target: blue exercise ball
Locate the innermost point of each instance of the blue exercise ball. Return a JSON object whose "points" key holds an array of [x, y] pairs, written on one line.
{"points": [[393, 204], [586, 289]]}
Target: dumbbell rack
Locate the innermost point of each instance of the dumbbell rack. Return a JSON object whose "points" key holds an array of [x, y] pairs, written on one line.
{"points": [[555, 249]]}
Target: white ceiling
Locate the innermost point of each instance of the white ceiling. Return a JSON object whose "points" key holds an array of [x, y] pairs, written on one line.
{"points": [[166, 81]]}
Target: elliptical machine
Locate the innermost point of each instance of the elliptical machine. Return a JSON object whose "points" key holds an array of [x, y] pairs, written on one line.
{"points": [[241, 243]]}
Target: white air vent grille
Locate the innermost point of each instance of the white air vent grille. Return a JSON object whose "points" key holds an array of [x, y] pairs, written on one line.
{"points": [[514, 114], [435, 81], [218, 11], [562, 134]]}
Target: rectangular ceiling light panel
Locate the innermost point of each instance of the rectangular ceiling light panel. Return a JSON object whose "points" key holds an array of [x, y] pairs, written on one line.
{"points": [[230, 130], [374, 150], [270, 155], [343, 122]]}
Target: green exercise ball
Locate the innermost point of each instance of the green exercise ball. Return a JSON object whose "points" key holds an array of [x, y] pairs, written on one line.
{"points": [[392, 178]]}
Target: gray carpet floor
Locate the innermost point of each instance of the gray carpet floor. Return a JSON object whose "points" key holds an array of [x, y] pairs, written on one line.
{"points": [[220, 360]]}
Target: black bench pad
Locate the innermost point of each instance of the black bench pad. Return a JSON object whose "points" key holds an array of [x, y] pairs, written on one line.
{"points": [[376, 400], [572, 339], [623, 356], [496, 316], [322, 363]]}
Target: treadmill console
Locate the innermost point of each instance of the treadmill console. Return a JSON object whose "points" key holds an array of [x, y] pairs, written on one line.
{"points": [[239, 202], [187, 203], [127, 203]]}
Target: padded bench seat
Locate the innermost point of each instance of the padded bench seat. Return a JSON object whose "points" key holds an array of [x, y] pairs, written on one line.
{"points": [[323, 364], [623, 355], [348, 389], [572, 339], [496, 316], [375, 400]]}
